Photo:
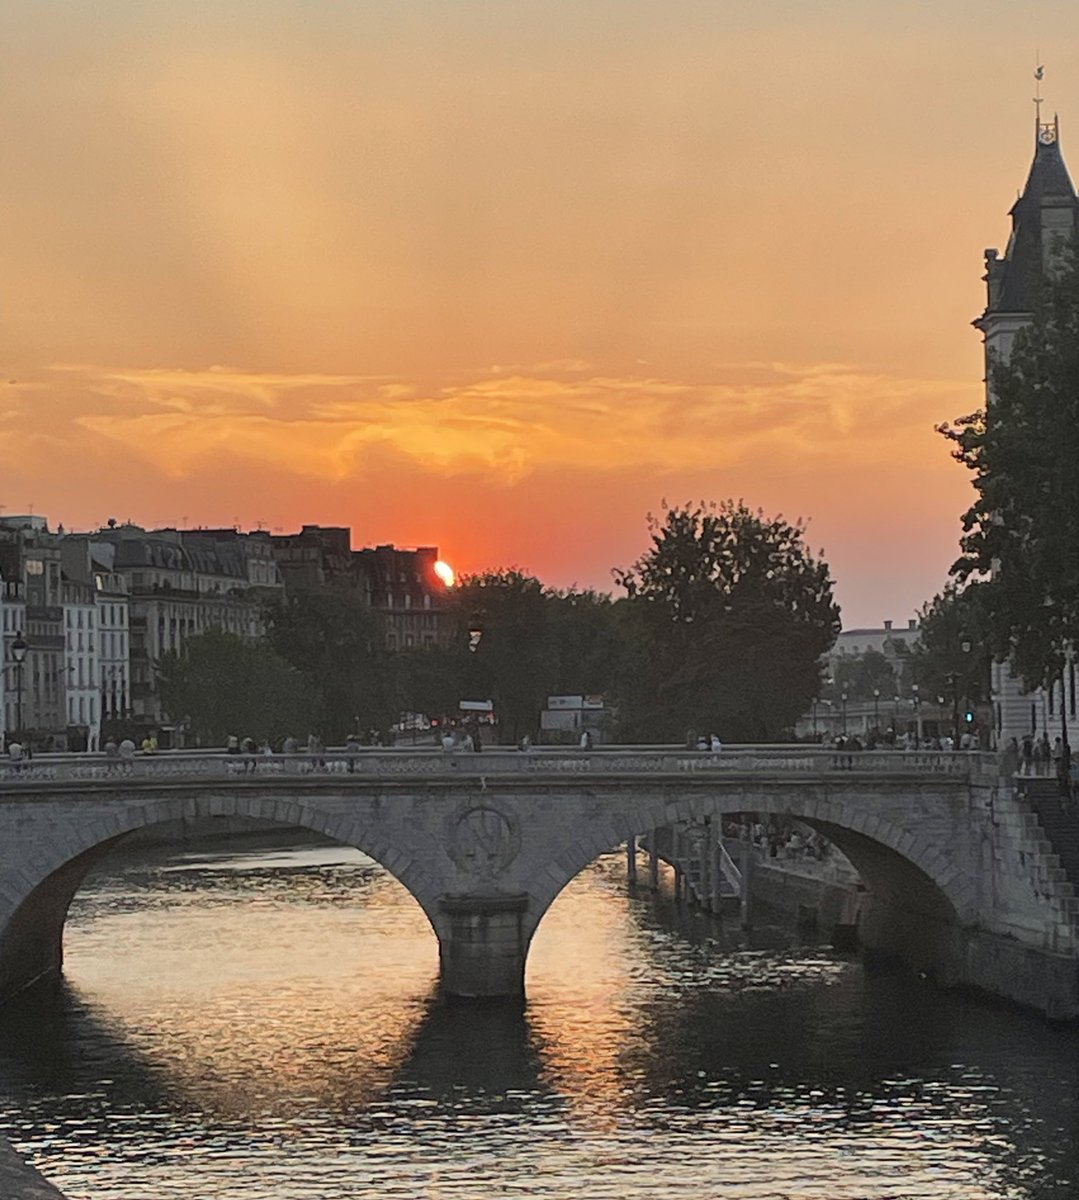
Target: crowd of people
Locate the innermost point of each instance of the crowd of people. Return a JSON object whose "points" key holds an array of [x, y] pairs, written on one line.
{"points": [[779, 837]]}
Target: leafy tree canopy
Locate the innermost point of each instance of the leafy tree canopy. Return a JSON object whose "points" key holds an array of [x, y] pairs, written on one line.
{"points": [[338, 644], [511, 663], [859, 676], [729, 614], [1023, 528], [222, 685], [954, 643]]}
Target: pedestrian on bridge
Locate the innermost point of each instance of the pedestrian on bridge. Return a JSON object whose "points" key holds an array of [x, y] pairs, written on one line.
{"points": [[127, 753]]}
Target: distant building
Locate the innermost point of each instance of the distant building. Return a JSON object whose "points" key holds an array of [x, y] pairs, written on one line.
{"points": [[897, 710], [1044, 218], [98, 648], [33, 605], [894, 644], [400, 584], [180, 583]]}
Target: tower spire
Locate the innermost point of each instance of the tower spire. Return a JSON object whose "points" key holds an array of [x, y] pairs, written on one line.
{"points": [[1045, 132], [1039, 75]]}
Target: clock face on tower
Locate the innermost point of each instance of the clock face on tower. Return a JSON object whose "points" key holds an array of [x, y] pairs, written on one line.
{"points": [[1047, 135]]}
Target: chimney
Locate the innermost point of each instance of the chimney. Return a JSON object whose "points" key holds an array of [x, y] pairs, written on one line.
{"points": [[888, 626], [912, 623]]}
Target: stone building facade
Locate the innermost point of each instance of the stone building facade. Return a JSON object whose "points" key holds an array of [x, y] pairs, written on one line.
{"points": [[400, 584], [1044, 219]]}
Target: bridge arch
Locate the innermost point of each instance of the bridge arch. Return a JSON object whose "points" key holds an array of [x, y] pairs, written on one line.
{"points": [[37, 896], [917, 896]]}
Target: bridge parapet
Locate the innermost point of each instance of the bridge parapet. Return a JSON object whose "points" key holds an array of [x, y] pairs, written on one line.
{"points": [[428, 764]]}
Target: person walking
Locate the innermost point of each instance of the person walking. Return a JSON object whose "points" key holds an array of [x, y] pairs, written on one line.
{"points": [[1042, 756], [1026, 754], [1009, 759], [352, 748], [15, 755], [127, 754]]}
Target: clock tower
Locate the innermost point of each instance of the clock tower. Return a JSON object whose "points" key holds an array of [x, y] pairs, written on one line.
{"points": [[1044, 219]]}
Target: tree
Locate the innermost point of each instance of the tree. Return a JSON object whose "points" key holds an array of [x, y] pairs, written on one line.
{"points": [[956, 618], [431, 679], [337, 643], [585, 636], [221, 685], [863, 674], [1022, 532], [728, 617], [512, 662], [533, 641]]}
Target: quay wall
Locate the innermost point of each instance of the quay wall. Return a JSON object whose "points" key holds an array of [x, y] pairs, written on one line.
{"points": [[19, 1180]]}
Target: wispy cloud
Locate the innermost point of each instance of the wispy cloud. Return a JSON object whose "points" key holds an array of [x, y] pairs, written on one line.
{"points": [[501, 428]]}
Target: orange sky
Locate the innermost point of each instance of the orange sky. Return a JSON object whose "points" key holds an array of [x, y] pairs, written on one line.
{"points": [[501, 276]]}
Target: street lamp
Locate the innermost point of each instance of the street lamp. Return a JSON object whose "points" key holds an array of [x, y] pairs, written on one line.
{"points": [[18, 657], [876, 709], [475, 632], [916, 701], [953, 683], [843, 697]]}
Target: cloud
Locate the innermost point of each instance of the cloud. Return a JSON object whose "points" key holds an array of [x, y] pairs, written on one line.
{"points": [[499, 428]]}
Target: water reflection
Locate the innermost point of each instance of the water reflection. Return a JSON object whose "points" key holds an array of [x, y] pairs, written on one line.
{"points": [[265, 1025]]}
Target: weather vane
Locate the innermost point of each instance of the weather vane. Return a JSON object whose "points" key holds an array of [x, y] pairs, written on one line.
{"points": [[1045, 132]]}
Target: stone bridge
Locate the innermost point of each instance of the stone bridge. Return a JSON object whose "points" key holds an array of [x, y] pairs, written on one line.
{"points": [[960, 882]]}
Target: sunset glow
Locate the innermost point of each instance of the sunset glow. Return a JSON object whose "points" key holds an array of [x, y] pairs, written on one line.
{"points": [[445, 572], [502, 278]]}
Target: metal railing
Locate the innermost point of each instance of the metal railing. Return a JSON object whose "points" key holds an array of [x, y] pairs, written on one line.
{"points": [[429, 763]]}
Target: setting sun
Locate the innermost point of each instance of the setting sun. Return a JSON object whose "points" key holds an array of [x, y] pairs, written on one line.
{"points": [[445, 572]]}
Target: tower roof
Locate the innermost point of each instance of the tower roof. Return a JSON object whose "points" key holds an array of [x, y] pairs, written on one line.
{"points": [[1046, 211], [1048, 175]]}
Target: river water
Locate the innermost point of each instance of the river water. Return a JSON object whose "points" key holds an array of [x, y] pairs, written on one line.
{"points": [[262, 1025]]}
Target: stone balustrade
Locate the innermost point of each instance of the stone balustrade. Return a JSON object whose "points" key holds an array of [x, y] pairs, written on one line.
{"points": [[430, 763]]}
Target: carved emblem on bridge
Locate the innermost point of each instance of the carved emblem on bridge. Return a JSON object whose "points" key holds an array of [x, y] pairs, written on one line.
{"points": [[483, 841]]}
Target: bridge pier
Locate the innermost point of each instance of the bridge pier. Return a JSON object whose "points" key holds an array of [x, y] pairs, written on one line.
{"points": [[482, 946]]}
